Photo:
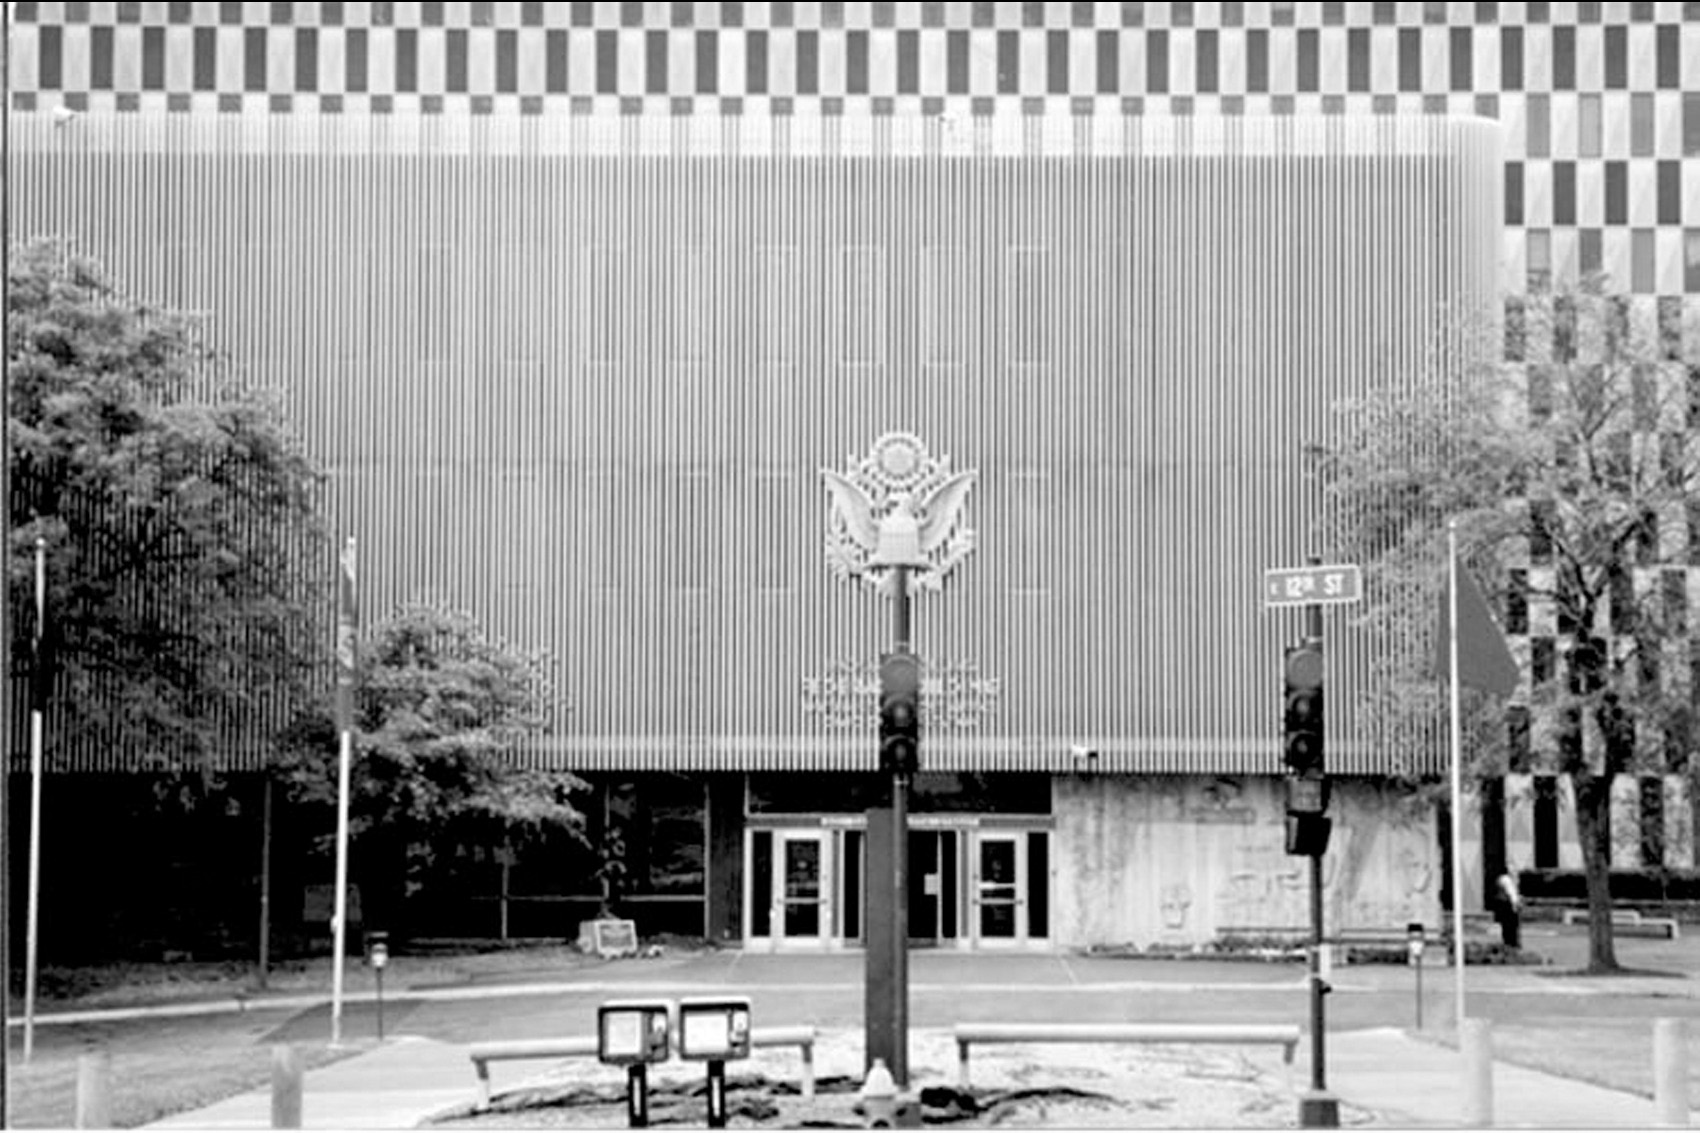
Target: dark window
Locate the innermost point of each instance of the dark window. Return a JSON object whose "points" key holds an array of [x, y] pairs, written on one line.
{"points": [[1514, 192], [507, 60], [206, 58], [1617, 57], [1590, 256], [1410, 59], [1641, 125], [1652, 821], [1539, 11], [1511, 58], [1357, 59], [306, 59], [761, 883], [1309, 78], [1670, 192], [454, 61], [1109, 62], [1205, 61], [1257, 61], [1541, 655], [1517, 602], [406, 59], [808, 62], [956, 62], [254, 59], [1546, 822], [555, 60], [655, 62], [1462, 59], [1009, 62], [153, 58], [1038, 883], [908, 61], [755, 61], [1517, 738], [100, 58], [1690, 123], [1157, 62], [853, 840], [1564, 57], [1617, 192], [855, 61], [1564, 192], [707, 62], [1669, 58], [1056, 62]]}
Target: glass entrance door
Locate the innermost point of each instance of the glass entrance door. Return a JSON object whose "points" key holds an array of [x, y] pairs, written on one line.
{"points": [[998, 888], [803, 909]]}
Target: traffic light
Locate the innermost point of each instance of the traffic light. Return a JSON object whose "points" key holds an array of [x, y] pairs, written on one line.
{"points": [[900, 713], [1302, 722]]}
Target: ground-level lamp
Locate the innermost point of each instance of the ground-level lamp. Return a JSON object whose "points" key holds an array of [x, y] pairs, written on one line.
{"points": [[894, 517]]}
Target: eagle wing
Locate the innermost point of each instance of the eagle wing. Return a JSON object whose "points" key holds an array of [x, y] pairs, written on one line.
{"points": [[854, 508], [937, 512]]}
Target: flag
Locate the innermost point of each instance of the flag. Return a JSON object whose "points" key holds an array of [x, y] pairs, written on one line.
{"points": [[1484, 660], [347, 630]]}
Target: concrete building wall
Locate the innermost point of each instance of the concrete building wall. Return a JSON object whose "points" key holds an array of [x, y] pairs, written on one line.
{"points": [[1173, 859]]}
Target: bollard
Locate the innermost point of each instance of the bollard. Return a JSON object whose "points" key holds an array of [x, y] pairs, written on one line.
{"points": [[94, 1090], [286, 1087], [1670, 1073], [879, 1097], [1475, 1044]]}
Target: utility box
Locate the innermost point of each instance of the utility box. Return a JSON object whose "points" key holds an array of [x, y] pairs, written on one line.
{"points": [[714, 1028], [633, 1032]]}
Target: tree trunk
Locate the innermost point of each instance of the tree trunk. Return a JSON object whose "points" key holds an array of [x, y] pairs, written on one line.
{"points": [[1593, 832]]}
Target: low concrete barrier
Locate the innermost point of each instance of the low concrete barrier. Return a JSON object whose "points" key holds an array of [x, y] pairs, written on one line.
{"points": [[482, 1054], [1286, 1035]]}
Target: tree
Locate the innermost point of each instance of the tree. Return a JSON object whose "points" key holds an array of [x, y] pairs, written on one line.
{"points": [[1565, 458], [176, 510], [440, 713]]}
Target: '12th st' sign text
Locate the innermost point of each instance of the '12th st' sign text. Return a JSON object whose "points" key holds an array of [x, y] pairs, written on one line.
{"points": [[1300, 586]]}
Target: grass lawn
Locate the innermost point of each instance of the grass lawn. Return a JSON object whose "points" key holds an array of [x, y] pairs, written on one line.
{"points": [[1607, 1052], [159, 1066]]}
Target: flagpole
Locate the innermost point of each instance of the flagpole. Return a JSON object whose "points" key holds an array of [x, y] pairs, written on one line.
{"points": [[1457, 771], [33, 931], [345, 676]]}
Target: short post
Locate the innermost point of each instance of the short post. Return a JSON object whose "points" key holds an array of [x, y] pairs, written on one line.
{"points": [[716, 1094], [94, 1090], [1475, 1044], [637, 1096], [1414, 940], [286, 1087], [1670, 1073]]}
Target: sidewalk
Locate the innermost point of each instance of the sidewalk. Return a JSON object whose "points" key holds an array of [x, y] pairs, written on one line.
{"points": [[1404, 1082]]}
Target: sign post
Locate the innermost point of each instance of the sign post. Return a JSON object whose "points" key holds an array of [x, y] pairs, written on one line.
{"points": [[1303, 745]]}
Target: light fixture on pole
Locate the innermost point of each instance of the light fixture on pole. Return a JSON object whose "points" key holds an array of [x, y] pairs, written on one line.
{"points": [[894, 518]]}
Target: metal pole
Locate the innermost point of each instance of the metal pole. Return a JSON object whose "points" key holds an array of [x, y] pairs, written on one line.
{"points": [[1419, 993], [32, 931], [1317, 1109], [899, 1062], [339, 918], [637, 1096], [6, 520], [265, 880], [1457, 773]]}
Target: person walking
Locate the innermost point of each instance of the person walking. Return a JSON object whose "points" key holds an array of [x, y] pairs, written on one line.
{"points": [[1508, 909]]}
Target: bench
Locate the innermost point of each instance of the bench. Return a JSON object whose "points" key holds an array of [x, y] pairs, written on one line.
{"points": [[1629, 922], [482, 1054], [969, 1034]]}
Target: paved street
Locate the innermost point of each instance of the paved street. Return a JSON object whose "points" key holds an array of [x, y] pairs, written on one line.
{"points": [[1374, 1063]]}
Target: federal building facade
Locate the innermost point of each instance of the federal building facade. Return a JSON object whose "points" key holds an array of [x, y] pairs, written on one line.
{"points": [[575, 302]]}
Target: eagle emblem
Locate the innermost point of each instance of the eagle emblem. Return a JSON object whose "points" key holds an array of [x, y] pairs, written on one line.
{"points": [[897, 507]]}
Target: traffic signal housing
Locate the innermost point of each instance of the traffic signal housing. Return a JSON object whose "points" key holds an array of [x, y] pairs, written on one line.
{"points": [[900, 713], [1301, 744]]}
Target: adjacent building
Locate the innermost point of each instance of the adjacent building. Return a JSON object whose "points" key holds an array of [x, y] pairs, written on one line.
{"points": [[575, 302]]}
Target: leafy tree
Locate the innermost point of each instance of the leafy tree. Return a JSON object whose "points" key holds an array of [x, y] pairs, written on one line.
{"points": [[176, 509], [1564, 457], [440, 711]]}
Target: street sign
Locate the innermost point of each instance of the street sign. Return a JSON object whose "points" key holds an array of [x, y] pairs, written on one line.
{"points": [[1300, 586]]}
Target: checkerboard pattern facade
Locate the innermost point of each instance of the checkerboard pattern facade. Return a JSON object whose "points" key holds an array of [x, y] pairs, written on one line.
{"points": [[1599, 102]]}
